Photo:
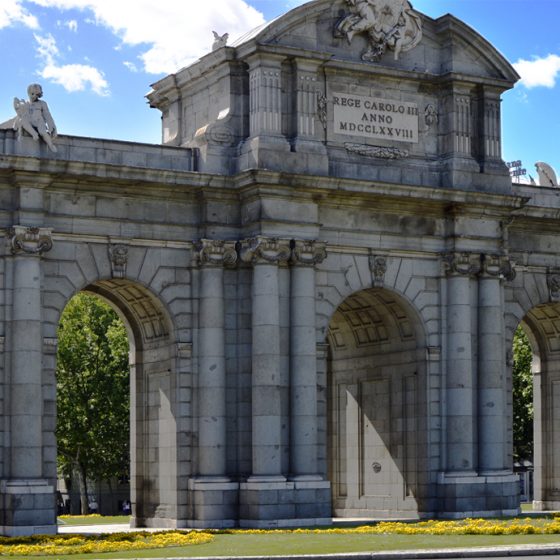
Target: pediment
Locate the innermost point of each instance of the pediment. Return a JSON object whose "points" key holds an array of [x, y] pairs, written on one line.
{"points": [[402, 38]]}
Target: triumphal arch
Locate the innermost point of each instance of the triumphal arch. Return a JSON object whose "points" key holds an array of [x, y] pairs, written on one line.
{"points": [[321, 269]]}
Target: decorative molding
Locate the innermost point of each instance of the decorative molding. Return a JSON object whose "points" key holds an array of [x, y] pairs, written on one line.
{"points": [[462, 264], [553, 282], [30, 240], [216, 252], [50, 345], [184, 350], [308, 252], [322, 109], [261, 250], [378, 267], [498, 266], [431, 116], [387, 24], [118, 255], [433, 353], [382, 152]]}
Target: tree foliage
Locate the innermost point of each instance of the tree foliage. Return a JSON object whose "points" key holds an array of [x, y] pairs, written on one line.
{"points": [[522, 397], [93, 402]]}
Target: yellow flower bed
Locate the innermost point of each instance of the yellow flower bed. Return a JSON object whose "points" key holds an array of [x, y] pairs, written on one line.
{"points": [[527, 526], [45, 545]]}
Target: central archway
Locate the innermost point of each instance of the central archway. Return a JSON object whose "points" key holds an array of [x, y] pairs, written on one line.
{"points": [[377, 406]]}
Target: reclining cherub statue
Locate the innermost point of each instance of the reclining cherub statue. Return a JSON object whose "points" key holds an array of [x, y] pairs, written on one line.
{"points": [[34, 117]]}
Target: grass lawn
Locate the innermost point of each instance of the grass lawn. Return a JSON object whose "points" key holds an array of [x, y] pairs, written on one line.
{"points": [[94, 520], [283, 544]]}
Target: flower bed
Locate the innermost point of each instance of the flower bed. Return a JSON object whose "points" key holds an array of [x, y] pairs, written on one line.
{"points": [[527, 526], [47, 545]]}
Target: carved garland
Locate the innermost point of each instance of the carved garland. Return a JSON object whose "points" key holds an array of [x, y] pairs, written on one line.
{"points": [[382, 152]]}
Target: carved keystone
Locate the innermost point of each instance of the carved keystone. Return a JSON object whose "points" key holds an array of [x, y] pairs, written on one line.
{"points": [[118, 255]]}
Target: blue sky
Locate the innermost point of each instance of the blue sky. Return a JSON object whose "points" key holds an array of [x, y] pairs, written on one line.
{"points": [[96, 59]]}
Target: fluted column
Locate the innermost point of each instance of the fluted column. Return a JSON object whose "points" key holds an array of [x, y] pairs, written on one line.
{"points": [[303, 359], [26, 396], [492, 389], [266, 255], [212, 257], [461, 381]]}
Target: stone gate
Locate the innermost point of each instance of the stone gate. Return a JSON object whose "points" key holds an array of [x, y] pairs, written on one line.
{"points": [[321, 270]]}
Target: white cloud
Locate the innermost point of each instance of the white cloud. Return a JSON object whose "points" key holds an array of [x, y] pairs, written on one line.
{"points": [[131, 66], [539, 72], [76, 77], [72, 24], [175, 32], [72, 77], [12, 12]]}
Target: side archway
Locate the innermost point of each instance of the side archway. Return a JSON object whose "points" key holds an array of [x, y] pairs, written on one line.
{"points": [[377, 406], [542, 326], [153, 403]]}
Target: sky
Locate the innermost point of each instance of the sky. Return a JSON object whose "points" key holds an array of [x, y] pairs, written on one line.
{"points": [[96, 59]]}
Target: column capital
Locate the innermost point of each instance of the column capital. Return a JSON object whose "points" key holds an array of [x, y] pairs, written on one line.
{"points": [[215, 252], [265, 250], [461, 263], [308, 253], [29, 240], [497, 266]]}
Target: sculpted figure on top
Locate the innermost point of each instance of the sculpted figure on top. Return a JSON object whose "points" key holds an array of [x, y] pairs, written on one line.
{"points": [[389, 24], [34, 117]]}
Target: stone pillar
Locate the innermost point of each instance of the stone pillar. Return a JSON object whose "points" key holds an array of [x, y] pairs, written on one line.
{"points": [[492, 387], [461, 382], [212, 255], [303, 362], [265, 255], [28, 498], [213, 494]]}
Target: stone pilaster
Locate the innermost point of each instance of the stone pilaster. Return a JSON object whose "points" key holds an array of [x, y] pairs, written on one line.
{"points": [[303, 359], [461, 382], [213, 495], [309, 131], [212, 257], [27, 496], [266, 140], [492, 388], [266, 255]]}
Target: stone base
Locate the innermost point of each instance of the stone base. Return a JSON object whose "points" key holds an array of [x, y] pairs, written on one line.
{"points": [[294, 503], [214, 503], [470, 495], [28, 507], [266, 152]]}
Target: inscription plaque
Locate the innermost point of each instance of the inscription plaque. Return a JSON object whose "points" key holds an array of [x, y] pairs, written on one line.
{"points": [[373, 117]]}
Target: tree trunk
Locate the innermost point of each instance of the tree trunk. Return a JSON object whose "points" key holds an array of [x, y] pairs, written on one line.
{"points": [[84, 500]]}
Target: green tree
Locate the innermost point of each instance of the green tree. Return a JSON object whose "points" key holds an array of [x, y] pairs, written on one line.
{"points": [[522, 397], [92, 378]]}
